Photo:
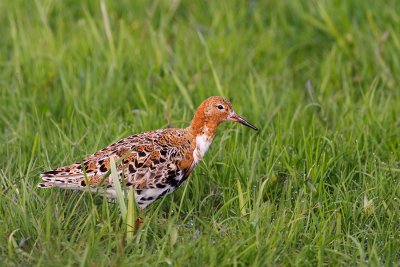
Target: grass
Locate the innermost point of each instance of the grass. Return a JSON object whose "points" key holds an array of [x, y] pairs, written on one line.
{"points": [[317, 185]]}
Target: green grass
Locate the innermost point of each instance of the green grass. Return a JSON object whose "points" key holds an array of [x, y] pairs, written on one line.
{"points": [[318, 184]]}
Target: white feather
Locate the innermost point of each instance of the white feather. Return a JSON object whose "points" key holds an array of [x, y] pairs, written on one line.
{"points": [[203, 142]]}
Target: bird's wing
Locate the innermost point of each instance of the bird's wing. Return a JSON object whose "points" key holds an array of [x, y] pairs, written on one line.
{"points": [[148, 160]]}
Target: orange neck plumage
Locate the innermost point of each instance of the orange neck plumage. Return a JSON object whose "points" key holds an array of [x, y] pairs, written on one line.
{"points": [[203, 124]]}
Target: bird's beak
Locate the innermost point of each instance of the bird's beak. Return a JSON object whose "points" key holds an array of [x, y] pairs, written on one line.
{"points": [[236, 118]]}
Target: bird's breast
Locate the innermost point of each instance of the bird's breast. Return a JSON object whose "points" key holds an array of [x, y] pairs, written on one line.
{"points": [[203, 142]]}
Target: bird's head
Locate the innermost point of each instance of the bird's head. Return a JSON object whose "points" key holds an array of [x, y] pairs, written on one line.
{"points": [[215, 110]]}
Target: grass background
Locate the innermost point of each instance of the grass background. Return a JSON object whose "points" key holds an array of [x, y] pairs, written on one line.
{"points": [[318, 184]]}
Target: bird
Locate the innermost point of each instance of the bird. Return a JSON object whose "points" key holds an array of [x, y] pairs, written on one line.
{"points": [[153, 163]]}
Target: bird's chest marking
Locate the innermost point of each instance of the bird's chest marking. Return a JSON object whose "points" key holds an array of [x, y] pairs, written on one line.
{"points": [[203, 142]]}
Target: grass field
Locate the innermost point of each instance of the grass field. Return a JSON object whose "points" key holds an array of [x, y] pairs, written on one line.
{"points": [[318, 184]]}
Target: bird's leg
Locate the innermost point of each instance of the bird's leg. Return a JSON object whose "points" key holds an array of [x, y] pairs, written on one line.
{"points": [[138, 222]]}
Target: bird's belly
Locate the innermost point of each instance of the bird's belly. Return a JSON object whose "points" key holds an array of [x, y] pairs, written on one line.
{"points": [[146, 196]]}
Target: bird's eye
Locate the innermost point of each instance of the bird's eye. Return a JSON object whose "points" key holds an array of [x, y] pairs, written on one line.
{"points": [[220, 107]]}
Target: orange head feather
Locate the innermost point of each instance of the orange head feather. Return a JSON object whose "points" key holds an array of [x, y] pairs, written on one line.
{"points": [[211, 113]]}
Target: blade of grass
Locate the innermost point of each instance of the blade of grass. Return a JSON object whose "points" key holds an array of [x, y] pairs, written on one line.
{"points": [[118, 189], [242, 204], [184, 91], [210, 62], [131, 215]]}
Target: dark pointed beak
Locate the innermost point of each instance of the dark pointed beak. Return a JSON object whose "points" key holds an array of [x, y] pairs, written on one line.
{"points": [[236, 118]]}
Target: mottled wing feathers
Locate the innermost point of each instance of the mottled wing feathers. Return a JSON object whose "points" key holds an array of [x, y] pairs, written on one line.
{"points": [[154, 163]]}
